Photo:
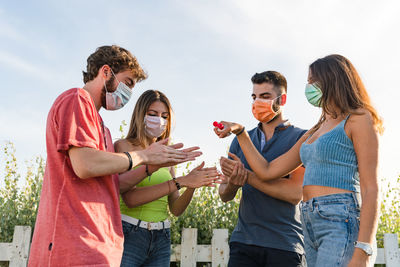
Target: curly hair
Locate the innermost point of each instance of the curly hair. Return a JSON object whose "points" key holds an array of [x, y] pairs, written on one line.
{"points": [[118, 58]]}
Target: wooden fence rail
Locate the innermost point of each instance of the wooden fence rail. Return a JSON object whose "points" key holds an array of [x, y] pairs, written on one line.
{"points": [[188, 253]]}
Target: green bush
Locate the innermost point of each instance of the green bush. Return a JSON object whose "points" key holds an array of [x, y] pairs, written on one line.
{"points": [[389, 219], [19, 204]]}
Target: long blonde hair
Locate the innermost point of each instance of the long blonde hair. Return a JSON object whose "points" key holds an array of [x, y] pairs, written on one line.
{"points": [[137, 134], [342, 86]]}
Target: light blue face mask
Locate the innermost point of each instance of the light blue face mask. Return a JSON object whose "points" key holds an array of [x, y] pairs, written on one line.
{"points": [[117, 99], [313, 94]]}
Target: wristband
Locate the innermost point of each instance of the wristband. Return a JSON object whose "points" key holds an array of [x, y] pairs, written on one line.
{"points": [[130, 160], [147, 170], [240, 132], [176, 183]]}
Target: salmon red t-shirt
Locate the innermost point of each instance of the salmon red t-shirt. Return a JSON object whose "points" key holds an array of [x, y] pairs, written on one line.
{"points": [[79, 220]]}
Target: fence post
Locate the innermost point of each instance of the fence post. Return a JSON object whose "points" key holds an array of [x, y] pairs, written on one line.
{"points": [[220, 248], [392, 253], [19, 248], [189, 247]]}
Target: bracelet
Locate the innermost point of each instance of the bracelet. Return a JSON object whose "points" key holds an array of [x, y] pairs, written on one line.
{"points": [[241, 131], [130, 160], [147, 170], [176, 183]]}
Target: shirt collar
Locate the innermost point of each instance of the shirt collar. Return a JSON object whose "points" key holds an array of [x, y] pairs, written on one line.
{"points": [[282, 126]]}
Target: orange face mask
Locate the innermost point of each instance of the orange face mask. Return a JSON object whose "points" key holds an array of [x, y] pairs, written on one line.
{"points": [[262, 109]]}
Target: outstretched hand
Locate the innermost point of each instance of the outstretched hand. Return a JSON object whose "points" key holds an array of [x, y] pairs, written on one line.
{"points": [[163, 155], [229, 127], [201, 176]]}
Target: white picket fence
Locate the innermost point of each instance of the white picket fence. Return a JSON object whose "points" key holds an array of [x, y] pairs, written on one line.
{"points": [[188, 253]]}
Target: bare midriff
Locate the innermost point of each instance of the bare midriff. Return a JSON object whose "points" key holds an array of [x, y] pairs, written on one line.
{"points": [[311, 191]]}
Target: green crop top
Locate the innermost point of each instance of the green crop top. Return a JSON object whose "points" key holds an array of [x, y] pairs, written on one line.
{"points": [[155, 211]]}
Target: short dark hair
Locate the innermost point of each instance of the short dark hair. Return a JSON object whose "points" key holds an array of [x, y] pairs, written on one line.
{"points": [[274, 77], [118, 58]]}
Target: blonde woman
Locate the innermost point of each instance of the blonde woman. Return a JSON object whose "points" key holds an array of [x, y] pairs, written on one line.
{"points": [[144, 208]]}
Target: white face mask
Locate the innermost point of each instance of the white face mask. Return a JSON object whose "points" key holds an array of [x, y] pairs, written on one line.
{"points": [[119, 97], [154, 125]]}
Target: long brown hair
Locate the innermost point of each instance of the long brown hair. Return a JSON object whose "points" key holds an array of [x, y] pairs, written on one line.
{"points": [[137, 134], [342, 88]]}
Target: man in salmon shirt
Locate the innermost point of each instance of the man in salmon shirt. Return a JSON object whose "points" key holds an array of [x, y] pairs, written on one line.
{"points": [[79, 220]]}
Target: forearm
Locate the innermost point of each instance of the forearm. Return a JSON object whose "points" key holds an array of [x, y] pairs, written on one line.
{"points": [[368, 222], [256, 161], [227, 191], [142, 195], [181, 203], [369, 215], [88, 162], [129, 179], [277, 168], [281, 188]]}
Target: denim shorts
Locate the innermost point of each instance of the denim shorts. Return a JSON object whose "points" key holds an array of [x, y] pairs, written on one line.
{"points": [[144, 247], [330, 227]]}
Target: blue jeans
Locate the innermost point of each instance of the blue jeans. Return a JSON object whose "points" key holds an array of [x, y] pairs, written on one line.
{"points": [[330, 227], [143, 247]]}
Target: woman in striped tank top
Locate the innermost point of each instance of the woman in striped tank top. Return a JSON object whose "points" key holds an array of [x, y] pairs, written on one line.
{"points": [[340, 156]]}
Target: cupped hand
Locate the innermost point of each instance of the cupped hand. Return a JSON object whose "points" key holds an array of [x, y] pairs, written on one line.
{"points": [[227, 164], [234, 170]]}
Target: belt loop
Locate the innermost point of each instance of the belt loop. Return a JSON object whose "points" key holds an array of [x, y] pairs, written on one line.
{"points": [[357, 199], [138, 225], [313, 200], [163, 225]]}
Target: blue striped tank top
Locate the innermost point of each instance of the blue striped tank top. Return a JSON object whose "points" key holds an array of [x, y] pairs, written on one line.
{"points": [[331, 160]]}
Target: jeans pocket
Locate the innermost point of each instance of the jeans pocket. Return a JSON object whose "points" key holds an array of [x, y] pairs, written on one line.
{"points": [[167, 234], [127, 228], [336, 212]]}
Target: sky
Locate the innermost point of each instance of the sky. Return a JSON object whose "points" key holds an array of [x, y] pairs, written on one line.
{"points": [[201, 54]]}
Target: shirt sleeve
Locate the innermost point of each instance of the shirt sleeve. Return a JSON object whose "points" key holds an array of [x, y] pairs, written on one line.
{"points": [[77, 123], [301, 134]]}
